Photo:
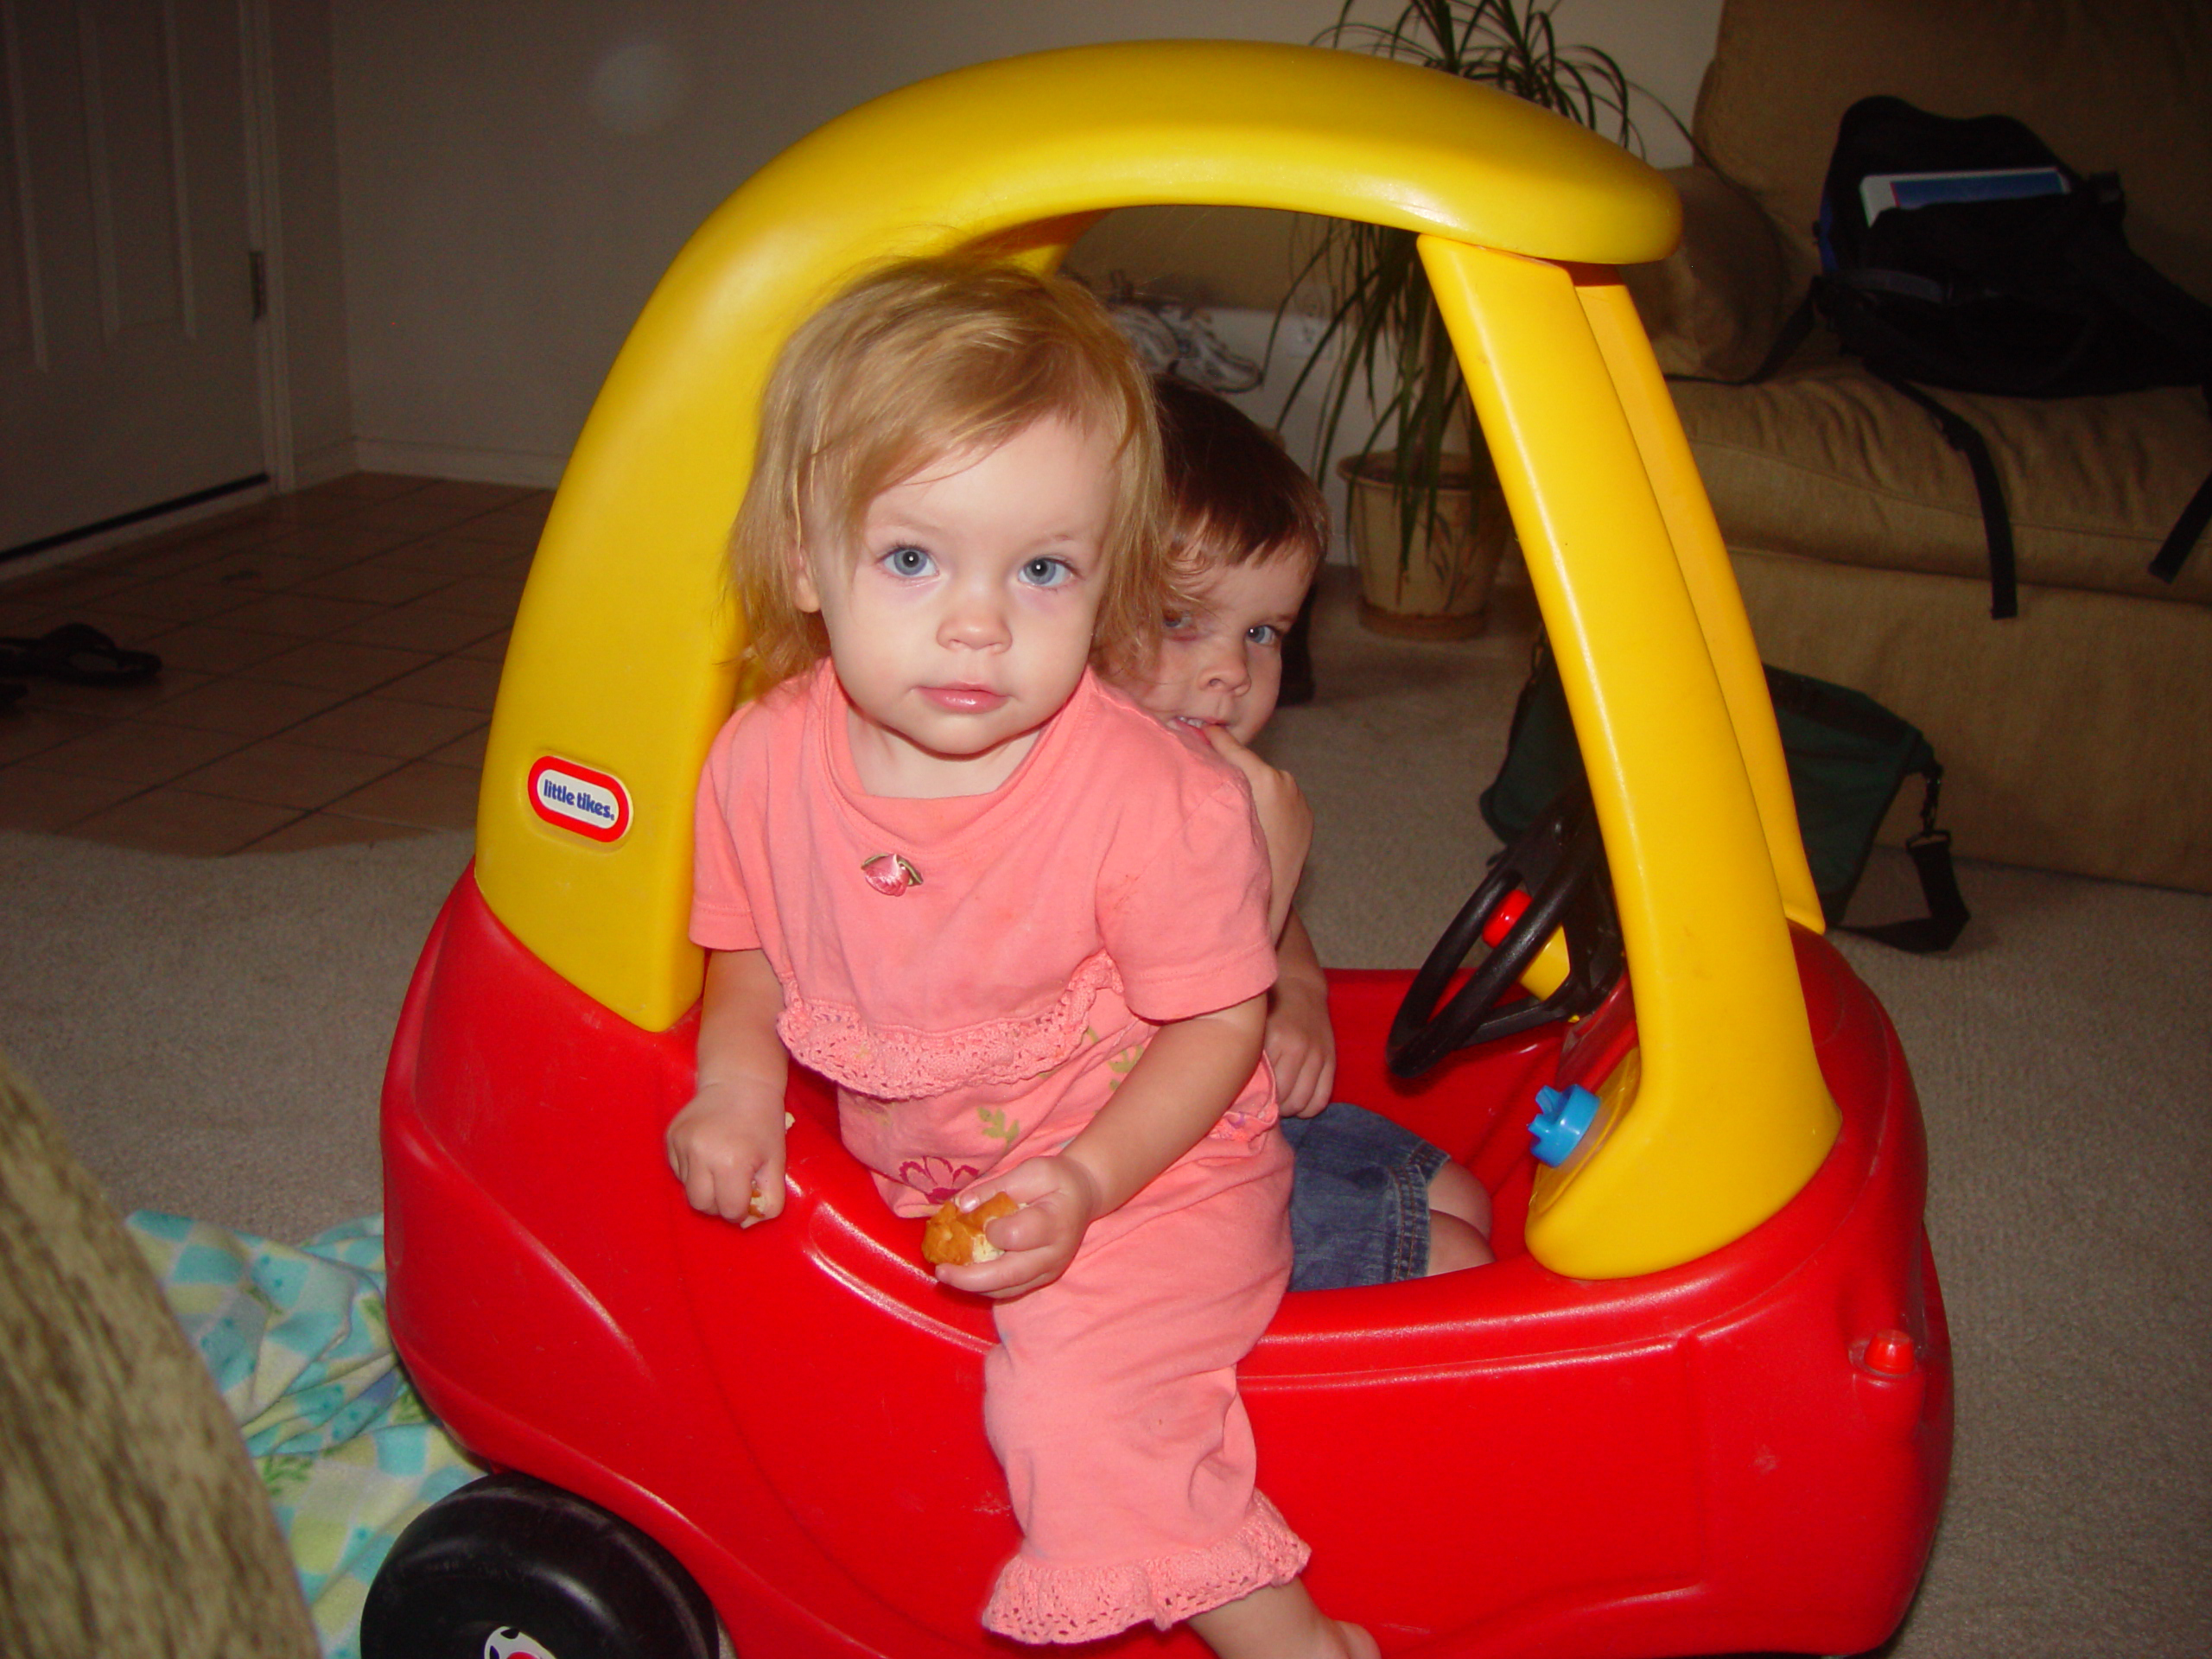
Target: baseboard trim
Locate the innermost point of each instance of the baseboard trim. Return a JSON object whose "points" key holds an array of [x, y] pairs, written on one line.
{"points": [[133, 527]]}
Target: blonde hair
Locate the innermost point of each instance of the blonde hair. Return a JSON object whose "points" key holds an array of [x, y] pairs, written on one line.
{"points": [[922, 359]]}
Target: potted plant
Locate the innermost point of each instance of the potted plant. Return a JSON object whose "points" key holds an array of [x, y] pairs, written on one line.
{"points": [[1425, 514]]}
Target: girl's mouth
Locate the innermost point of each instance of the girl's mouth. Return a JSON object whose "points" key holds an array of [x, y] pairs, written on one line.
{"points": [[965, 699]]}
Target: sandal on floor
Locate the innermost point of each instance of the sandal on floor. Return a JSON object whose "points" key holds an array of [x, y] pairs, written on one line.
{"points": [[80, 655]]}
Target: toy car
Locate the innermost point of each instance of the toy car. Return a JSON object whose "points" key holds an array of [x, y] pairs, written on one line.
{"points": [[1702, 1402]]}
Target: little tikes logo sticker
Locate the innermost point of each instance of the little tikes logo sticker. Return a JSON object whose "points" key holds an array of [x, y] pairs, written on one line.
{"points": [[570, 797]]}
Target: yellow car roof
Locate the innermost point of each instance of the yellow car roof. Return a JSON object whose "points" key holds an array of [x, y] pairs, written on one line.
{"points": [[626, 652]]}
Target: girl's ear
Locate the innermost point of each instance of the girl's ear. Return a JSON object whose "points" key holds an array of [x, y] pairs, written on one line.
{"points": [[803, 592]]}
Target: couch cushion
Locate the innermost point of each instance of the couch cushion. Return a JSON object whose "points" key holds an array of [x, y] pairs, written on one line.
{"points": [[2109, 84], [1715, 305], [1826, 462], [2071, 740]]}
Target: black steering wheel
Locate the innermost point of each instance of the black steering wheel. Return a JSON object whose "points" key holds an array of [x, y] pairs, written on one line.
{"points": [[1559, 863]]}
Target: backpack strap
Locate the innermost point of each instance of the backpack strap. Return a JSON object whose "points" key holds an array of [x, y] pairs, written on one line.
{"points": [[1797, 328], [1904, 284], [1930, 849], [1958, 432], [1996, 522], [2182, 537], [2187, 528]]}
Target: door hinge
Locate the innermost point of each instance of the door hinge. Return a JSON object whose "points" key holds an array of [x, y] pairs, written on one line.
{"points": [[258, 275]]}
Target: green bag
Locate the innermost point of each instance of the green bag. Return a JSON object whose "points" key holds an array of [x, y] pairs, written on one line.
{"points": [[1848, 756]]}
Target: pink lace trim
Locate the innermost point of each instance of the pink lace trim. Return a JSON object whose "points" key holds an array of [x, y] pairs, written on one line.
{"points": [[1034, 1601], [896, 1063]]}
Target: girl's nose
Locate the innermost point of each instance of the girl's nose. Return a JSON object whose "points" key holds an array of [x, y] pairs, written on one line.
{"points": [[975, 619]]}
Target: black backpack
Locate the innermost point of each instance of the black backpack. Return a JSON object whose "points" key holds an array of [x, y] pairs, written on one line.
{"points": [[1964, 254]]}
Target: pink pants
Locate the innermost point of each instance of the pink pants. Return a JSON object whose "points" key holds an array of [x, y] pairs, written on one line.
{"points": [[1112, 1402]]}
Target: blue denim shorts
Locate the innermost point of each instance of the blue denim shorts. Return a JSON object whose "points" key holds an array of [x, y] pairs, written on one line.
{"points": [[1359, 1200]]}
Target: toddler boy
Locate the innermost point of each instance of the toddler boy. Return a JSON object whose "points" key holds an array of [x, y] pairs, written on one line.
{"points": [[1373, 1202]]}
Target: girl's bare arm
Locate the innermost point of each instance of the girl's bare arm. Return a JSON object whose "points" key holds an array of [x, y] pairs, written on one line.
{"points": [[1185, 1079], [726, 1146]]}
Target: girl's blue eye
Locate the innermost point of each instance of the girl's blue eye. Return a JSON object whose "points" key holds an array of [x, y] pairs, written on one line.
{"points": [[1178, 622], [1047, 573], [908, 561], [1264, 633]]}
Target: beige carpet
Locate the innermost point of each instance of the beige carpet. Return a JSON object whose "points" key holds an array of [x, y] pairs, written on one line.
{"points": [[212, 1032]]}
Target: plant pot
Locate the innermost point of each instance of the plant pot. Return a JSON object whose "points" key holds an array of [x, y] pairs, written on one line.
{"points": [[1440, 590]]}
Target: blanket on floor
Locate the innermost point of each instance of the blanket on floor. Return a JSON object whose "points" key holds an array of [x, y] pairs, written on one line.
{"points": [[296, 1339]]}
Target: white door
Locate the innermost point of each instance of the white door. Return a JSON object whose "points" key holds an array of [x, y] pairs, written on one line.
{"points": [[127, 306]]}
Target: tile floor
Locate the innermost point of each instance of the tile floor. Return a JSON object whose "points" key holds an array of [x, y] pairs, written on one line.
{"points": [[328, 657]]}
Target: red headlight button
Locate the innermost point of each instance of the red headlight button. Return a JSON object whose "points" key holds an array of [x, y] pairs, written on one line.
{"points": [[1890, 1353]]}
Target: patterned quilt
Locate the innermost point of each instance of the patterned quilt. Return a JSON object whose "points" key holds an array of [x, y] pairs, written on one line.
{"points": [[296, 1339]]}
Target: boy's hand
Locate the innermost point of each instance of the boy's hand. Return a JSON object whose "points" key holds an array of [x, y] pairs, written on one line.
{"points": [[1060, 1199], [1286, 820], [726, 1146], [1301, 1045]]}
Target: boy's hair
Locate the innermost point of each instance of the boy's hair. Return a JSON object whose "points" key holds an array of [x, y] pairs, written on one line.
{"points": [[916, 361], [1234, 497]]}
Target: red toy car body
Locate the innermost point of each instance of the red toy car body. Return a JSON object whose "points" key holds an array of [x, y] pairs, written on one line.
{"points": [[1501, 1462]]}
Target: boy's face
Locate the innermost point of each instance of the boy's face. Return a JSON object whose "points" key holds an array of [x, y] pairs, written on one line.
{"points": [[962, 622], [1221, 662]]}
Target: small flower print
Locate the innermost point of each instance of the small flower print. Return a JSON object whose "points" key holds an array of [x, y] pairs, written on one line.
{"points": [[937, 1179]]}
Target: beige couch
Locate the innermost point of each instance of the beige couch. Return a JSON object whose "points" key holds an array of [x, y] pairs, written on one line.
{"points": [[132, 1523], [2079, 736]]}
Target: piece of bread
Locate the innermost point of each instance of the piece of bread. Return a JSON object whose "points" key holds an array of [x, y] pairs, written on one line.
{"points": [[954, 1239], [753, 1211]]}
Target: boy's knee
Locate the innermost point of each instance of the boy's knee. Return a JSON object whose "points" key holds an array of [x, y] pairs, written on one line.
{"points": [[1453, 1245], [1454, 1190]]}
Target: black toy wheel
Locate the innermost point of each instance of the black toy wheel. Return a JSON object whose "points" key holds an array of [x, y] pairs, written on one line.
{"points": [[509, 1557], [1559, 861]]}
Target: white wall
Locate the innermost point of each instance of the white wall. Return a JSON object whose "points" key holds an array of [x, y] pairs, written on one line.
{"points": [[516, 174], [307, 252]]}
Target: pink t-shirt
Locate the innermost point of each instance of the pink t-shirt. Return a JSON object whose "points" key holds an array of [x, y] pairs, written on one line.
{"points": [[984, 1014]]}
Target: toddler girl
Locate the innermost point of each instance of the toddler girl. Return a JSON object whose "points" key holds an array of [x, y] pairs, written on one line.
{"points": [[1021, 924], [1372, 1201]]}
